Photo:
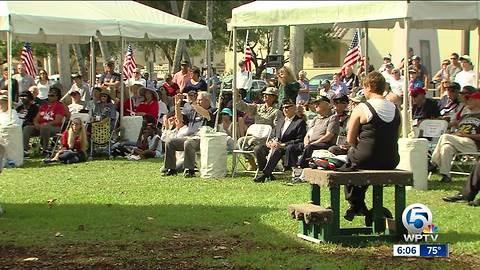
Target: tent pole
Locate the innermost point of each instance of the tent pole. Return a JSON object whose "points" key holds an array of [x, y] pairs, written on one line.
{"points": [[234, 93], [122, 84], [477, 68], [92, 64], [406, 107], [367, 62], [9, 66]]}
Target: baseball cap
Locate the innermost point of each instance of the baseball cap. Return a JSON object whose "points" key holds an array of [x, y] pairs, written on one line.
{"points": [[416, 57], [74, 92], [271, 91], [387, 56], [288, 103], [417, 91], [359, 97], [454, 85], [227, 111], [466, 58], [475, 95], [184, 62], [340, 97], [320, 98]]}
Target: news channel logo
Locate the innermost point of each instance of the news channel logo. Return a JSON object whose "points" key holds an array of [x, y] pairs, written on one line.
{"points": [[417, 219]]}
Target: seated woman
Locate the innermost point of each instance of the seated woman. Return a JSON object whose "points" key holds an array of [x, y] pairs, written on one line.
{"points": [[149, 106], [74, 144], [196, 83], [105, 108], [373, 130]]}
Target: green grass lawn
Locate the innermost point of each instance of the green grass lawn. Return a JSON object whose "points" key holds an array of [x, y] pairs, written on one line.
{"points": [[120, 214]]}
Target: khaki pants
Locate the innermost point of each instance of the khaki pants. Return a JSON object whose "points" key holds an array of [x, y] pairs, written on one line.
{"points": [[45, 132], [249, 143], [190, 146], [448, 145]]}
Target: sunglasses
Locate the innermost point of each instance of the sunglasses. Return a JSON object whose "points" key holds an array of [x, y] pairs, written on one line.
{"points": [[52, 95], [464, 93], [453, 58]]}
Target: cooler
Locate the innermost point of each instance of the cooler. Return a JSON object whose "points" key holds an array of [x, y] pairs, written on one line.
{"points": [[414, 157]]}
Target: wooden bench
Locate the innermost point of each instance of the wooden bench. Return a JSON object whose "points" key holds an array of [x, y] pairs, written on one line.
{"points": [[323, 224]]}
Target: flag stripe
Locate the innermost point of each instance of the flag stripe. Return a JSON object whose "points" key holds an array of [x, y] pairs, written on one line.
{"points": [[354, 53], [129, 64], [248, 59], [27, 59]]}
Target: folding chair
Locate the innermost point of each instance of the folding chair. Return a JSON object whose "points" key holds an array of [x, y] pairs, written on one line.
{"points": [[56, 139], [101, 135], [256, 131], [463, 163], [431, 129]]}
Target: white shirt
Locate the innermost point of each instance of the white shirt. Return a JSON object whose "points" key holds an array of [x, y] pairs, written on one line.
{"points": [[286, 124], [5, 119], [162, 109], [244, 80], [133, 81], [385, 109], [465, 78], [397, 86], [43, 89]]}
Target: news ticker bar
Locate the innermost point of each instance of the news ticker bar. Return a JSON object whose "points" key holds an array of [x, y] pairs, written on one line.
{"points": [[420, 250]]}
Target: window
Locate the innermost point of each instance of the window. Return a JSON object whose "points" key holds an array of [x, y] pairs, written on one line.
{"points": [[425, 55]]}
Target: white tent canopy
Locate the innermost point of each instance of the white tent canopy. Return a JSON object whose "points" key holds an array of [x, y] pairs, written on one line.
{"points": [[77, 21], [378, 14]]}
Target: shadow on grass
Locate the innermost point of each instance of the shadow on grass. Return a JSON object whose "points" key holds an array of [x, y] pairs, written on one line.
{"points": [[456, 184]]}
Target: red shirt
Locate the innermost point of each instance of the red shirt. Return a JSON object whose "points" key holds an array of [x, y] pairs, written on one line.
{"points": [[171, 90], [150, 108], [48, 112], [77, 145]]}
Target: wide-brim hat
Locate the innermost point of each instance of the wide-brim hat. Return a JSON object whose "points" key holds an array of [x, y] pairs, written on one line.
{"points": [[271, 91], [227, 111], [154, 92], [359, 97], [76, 75]]}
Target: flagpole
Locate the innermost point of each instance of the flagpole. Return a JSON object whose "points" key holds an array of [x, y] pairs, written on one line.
{"points": [[234, 93], [367, 62], [122, 86], [406, 107], [92, 65]]}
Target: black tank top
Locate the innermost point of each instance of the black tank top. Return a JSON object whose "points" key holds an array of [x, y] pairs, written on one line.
{"points": [[377, 147]]}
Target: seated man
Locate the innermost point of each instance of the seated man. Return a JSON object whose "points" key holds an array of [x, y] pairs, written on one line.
{"points": [[289, 133], [323, 132], [423, 108], [199, 114], [449, 104], [343, 115], [470, 189], [265, 114], [466, 139], [77, 105], [48, 120], [27, 109]]}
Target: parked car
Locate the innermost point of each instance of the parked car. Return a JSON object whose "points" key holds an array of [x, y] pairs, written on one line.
{"points": [[252, 93], [316, 80]]}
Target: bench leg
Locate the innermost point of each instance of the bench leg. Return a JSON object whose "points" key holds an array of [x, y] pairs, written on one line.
{"points": [[315, 194], [378, 218], [400, 201], [333, 228]]}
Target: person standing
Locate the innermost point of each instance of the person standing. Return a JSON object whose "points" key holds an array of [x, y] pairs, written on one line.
{"points": [[183, 76], [455, 67], [467, 75], [43, 84], [288, 87], [24, 80], [304, 92], [110, 80], [78, 86], [4, 85], [244, 79]]}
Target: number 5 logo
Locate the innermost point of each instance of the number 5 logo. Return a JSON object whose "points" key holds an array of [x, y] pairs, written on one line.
{"points": [[416, 217]]}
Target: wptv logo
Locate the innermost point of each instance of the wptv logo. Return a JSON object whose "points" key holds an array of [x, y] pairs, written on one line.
{"points": [[417, 219]]}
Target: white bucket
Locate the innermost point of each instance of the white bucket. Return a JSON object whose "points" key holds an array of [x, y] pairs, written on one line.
{"points": [[131, 125], [213, 151], [13, 137], [414, 158]]}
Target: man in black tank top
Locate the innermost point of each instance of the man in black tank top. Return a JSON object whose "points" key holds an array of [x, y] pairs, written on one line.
{"points": [[372, 140]]}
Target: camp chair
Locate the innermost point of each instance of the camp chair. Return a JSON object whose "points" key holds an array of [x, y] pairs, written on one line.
{"points": [[101, 135], [257, 131], [56, 139], [431, 129], [463, 163]]}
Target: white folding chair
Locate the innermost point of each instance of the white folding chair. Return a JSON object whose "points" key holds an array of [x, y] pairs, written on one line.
{"points": [[85, 117], [257, 131], [431, 129]]}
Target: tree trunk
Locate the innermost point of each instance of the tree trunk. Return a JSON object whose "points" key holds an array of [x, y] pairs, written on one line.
{"points": [[297, 50], [273, 46], [181, 47], [63, 54], [104, 50], [80, 59]]}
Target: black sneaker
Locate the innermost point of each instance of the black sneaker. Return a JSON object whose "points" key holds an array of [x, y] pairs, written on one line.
{"points": [[455, 198], [474, 202], [446, 179], [189, 173], [432, 167], [260, 178], [169, 172]]}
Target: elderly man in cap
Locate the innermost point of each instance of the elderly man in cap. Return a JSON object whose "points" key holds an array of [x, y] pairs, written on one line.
{"points": [[465, 139], [467, 75], [289, 133], [110, 80], [325, 89], [199, 114], [423, 107], [137, 78], [323, 132], [449, 104], [183, 76], [265, 114], [341, 103], [78, 86]]}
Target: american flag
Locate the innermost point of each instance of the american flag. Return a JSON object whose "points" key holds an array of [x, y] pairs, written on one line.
{"points": [[129, 64], [354, 53], [27, 60], [248, 59]]}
